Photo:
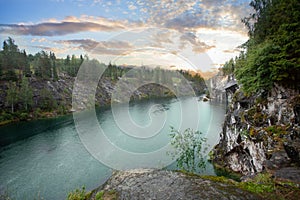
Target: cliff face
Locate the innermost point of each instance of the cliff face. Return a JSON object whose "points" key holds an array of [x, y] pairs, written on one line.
{"points": [[55, 97], [217, 85], [261, 132]]}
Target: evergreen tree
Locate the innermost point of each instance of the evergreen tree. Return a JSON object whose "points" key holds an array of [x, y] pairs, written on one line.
{"points": [[81, 59], [12, 95], [67, 63], [228, 67], [73, 66], [1, 65], [163, 77], [114, 72], [25, 64], [10, 59], [47, 101], [26, 94], [157, 75], [42, 65], [273, 50], [109, 70], [54, 75]]}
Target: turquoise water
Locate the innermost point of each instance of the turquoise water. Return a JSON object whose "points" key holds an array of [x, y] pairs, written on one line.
{"points": [[47, 159]]}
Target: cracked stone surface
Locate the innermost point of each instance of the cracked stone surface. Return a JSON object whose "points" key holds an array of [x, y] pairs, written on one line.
{"points": [[161, 184]]}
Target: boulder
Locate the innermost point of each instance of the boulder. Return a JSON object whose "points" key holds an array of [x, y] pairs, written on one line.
{"points": [[161, 184]]}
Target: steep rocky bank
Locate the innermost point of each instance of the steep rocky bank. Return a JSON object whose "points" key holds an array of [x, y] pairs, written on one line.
{"points": [[161, 184], [216, 86], [51, 98], [262, 133], [61, 91]]}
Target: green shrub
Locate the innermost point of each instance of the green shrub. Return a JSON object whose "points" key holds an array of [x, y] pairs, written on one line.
{"points": [[77, 194], [188, 149], [99, 195], [23, 116], [61, 110], [37, 113], [6, 116]]}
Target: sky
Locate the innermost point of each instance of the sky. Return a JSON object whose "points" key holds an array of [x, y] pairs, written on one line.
{"points": [[190, 34]]}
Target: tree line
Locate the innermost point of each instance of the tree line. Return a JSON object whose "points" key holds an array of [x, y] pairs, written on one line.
{"points": [[18, 70], [15, 63]]}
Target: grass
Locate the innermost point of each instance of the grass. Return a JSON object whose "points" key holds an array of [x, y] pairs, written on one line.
{"points": [[106, 195], [264, 185], [81, 194], [77, 194]]}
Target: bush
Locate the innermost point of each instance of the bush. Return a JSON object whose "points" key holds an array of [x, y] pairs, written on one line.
{"points": [[37, 113], [188, 149], [6, 116], [77, 194], [23, 116], [99, 195], [61, 110]]}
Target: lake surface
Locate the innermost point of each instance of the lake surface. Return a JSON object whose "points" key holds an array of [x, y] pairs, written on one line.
{"points": [[47, 159]]}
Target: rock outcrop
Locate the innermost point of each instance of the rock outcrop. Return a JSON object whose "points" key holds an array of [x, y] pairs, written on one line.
{"points": [[60, 91], [161, 184], [261, 132], [216, 86]]}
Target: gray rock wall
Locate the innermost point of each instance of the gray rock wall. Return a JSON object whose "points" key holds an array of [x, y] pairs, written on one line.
{"points": [[260, 132]]}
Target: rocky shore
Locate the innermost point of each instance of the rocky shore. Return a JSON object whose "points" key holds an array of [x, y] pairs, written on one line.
{"points": [[162, 184]]}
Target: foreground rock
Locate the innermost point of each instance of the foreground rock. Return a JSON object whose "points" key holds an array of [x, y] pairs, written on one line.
{"points": [[159, 184]]}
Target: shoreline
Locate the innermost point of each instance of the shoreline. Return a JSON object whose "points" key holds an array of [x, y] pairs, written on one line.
{"points": [[54, 114]]}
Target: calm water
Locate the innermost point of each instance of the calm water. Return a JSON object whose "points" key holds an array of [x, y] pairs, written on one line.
{"points": [[46, 158]]}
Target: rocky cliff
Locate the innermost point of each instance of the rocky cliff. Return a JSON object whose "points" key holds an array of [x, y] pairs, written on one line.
{"points": [[61, 92], [51, 98], [262, 132], [217, 85]]}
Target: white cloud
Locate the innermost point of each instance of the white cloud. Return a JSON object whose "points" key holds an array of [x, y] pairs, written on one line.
{"points": [[132, 7]]}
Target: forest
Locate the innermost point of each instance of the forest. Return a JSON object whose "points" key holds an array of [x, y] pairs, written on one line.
{"points": [[272, 53]]}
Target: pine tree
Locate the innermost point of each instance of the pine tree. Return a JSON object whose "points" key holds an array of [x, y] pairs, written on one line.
{"points": [[54, 75], [272, 52], [26, 94], [12, 95], [26, 65]]}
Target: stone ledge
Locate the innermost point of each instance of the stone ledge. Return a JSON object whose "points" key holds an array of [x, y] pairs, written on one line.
{"points": [[162, 184]]}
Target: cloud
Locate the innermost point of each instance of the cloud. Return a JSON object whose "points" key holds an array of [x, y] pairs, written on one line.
{"points": [[226, 13], [161, 38], [160, 11], [132, 7], [99, 47], [180, 15], [56, 50], [85, 44], [40, 40], [69, 25], [190, 14], [231, 51], [53, 29], [197, 45]]}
